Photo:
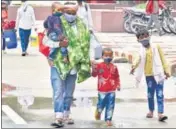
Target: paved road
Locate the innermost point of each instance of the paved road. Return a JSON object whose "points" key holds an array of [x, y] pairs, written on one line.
{"points": [[126, 115], [31, 75], [32, 72]]}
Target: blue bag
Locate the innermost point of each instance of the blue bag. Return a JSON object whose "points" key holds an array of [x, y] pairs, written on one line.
{"points": [[10, 38]]}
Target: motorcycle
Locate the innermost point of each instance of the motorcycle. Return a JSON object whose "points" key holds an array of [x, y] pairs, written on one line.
{"points": [[138, 21], [170, 20], [127, 18], [143, 20], [128, 15]]}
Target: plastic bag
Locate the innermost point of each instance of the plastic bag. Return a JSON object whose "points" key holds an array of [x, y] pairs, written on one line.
{"points": [[42, 48], [95, 48]]}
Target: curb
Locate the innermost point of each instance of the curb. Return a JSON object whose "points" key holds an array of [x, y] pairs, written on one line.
{"points": [[126, 55]]}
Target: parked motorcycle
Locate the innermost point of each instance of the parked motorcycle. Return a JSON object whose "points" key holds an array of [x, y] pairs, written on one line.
{"points": [[127, 19], [137, 22], [171, 22], [128, 15]]}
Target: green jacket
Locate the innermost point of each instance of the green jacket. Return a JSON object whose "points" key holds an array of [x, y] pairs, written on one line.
{"points": [[78, 51]]}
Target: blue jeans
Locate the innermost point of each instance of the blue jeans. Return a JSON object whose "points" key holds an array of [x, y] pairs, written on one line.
{"points": [[24, 37], [62, 92], [152, 87], [106, 100], [54, 36]]}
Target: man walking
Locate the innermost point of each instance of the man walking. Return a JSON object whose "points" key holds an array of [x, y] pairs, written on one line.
{"points": [[24, 22], [84, 13], [63, 90]]}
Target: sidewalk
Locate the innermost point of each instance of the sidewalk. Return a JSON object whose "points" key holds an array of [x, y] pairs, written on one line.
{"points": [[126, 115]]}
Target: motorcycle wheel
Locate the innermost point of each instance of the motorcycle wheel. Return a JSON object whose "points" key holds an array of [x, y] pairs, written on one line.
{"points": [[172, 25], [165, 26], [135, 28], [126, 25]]}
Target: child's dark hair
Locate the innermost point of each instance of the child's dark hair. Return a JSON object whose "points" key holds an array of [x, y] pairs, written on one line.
{"points": [[142, 32], [106, 49]]}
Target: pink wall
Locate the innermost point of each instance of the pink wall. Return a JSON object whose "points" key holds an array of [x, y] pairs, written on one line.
{"points": [[40, 12], [104, 20], [97, 19], [112, 21]]}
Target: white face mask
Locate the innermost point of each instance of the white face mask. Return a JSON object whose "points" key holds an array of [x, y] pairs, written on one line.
{"points": [[70, 18], [145, 42]]}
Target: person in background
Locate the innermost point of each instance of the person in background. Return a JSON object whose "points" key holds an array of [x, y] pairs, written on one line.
{"points": [[25, 20], [84, 13], [152, 9], [4, 16], [108, 83], [152, 64]]}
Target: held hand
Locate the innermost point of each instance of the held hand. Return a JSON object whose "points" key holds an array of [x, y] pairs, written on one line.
{"points": [[64, 43], [93, 63]]}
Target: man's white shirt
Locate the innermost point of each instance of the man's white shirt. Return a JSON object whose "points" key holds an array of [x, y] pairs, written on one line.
{"points": [[25, 19]]}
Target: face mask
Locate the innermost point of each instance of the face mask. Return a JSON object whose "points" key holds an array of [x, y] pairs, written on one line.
{"points": [[58, 14], [145, 42], [70, 18], [107, 59]]}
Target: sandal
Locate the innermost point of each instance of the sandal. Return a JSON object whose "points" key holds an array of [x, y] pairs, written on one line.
{"points": [[149, 115], [162, 118], [69, 121], [58, 123], [109, 123]]}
